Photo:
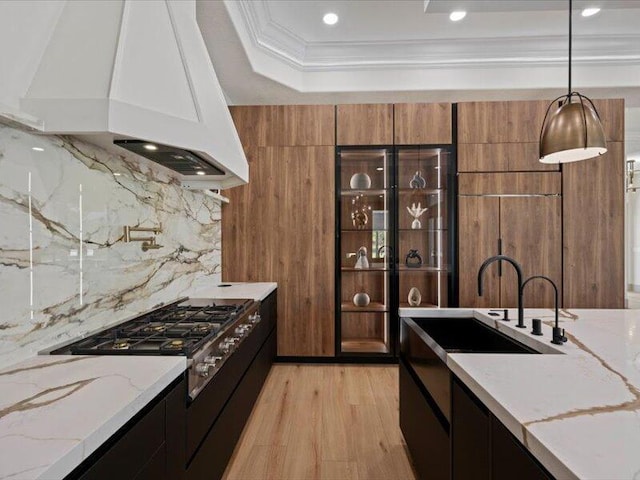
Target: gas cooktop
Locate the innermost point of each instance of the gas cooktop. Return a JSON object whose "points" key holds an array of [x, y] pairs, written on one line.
{"points": [[179, 328]]}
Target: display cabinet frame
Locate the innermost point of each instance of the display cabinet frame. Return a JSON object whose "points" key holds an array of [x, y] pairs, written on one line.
{"points": [[393, 271]]}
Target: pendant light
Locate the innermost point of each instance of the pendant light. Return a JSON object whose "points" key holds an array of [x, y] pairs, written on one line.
{"points": [[573, 131]]}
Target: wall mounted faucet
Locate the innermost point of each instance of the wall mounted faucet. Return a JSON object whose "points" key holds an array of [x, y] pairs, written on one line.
{"points": [[518, 268], [558, 333], [148, 243]]}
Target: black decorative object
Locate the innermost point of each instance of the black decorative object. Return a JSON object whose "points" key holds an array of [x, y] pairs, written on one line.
{"points": [[418, 181], [413, 259]]}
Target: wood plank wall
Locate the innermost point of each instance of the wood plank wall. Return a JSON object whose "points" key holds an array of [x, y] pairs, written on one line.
{"points": [[281, 228]]}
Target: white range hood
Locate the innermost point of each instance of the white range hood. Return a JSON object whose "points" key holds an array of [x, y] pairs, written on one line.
{"points": [[129, 69]]}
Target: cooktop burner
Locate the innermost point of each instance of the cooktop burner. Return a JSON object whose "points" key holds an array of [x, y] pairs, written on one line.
{"points": [[180, 328]]}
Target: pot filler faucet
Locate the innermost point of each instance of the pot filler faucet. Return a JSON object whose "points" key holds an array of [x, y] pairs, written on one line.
{"points": [[518, 268]]}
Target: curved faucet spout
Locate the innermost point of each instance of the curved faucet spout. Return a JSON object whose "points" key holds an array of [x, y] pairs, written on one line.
{"points": [[558, 333], [518, 269]]}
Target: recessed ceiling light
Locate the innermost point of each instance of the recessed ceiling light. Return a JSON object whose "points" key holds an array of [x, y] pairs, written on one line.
{"points": [[200, 172], [457, 15], [37, 149], [150, 146], [587, 12], [330, 19]]}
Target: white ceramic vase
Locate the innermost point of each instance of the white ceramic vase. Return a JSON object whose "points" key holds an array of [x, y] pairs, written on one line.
{"points": [[414, 298], [360, 181], [361, 299]]}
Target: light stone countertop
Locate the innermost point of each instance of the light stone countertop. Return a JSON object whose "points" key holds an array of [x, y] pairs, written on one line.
{"points": [[575, 408], [55, 410]]}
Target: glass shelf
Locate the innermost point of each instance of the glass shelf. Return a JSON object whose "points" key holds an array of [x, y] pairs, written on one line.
{"points": [[364, 270], [404, 268], [422, 305], [422, 229], [372, 307], [423, 191], [364, 345], [370, 192]]}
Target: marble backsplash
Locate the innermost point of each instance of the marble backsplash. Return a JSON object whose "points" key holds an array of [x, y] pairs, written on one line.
{"points": [[64, 267]]}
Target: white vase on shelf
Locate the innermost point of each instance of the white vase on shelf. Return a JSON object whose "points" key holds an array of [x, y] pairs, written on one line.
{"points": [[361, 299], [414, 298]]}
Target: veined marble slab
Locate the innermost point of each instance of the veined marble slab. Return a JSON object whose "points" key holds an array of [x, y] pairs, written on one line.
{"points": [[577, 413], [56, 410], [255, 290], [64, 267]]}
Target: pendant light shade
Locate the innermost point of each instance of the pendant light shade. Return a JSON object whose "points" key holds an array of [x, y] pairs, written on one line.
{"points": [[573, 130]]}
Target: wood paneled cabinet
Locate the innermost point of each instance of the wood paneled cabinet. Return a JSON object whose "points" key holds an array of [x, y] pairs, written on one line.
{"points": [[422, 123], [279, 227], [526, 227], [500, 136], [366, 124]]}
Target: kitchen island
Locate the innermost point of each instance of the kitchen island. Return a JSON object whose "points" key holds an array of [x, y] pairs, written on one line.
{"points": [[576, 407]]}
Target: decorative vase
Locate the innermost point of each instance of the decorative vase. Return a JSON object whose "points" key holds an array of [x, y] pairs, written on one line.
{"points": [[361, 258], [361, 299], [414, 297], [360, 181], [417, 181], [413, 259]]}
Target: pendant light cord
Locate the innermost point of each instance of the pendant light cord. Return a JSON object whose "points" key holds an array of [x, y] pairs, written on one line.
{"points": [[570, 37]]}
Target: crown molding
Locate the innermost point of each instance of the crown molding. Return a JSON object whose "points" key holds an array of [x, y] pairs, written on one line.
{"points": [[279, 43]]}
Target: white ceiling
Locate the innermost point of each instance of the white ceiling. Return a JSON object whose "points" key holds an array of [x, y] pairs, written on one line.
{"points": [[280, 52]]}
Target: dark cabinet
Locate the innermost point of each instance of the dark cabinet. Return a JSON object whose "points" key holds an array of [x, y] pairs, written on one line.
{"points": [[509, 459], [470, 436], [139, 450], [482, 448], [426, 435], [215, 420]]}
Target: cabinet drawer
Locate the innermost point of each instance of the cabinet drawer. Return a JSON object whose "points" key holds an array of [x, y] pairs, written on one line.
{"points": [[131, 453]]}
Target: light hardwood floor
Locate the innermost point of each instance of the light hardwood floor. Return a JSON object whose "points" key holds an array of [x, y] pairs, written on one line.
{"points": [[324, 422]]}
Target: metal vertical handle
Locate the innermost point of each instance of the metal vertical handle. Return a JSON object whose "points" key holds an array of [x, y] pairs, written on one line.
{"points": [[499, 253]]}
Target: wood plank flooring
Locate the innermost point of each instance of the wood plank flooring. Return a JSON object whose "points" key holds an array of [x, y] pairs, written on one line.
{"points": [[324, 422]]}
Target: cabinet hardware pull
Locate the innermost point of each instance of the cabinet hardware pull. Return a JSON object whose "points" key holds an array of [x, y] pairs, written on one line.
{"points": [[500, 253]]}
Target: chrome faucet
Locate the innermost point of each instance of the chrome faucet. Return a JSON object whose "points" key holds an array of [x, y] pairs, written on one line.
{"points": [[518, 268], [558, 333]]}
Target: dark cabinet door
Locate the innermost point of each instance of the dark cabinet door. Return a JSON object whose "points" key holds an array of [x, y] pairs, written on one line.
{"points": [[427, 439], [509, 460], [470, 436], [137, 453]]}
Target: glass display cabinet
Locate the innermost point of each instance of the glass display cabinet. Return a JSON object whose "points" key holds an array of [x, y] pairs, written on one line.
{"points": [[393, 215], [423, 197], [365, 205]]}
